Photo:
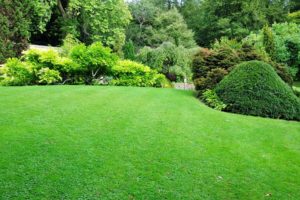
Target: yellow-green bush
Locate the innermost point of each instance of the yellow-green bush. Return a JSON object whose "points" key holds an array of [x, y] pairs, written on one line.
{"points": [[130, 73], [17, 73]]}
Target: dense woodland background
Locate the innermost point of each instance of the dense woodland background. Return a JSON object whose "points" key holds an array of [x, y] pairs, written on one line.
{"points": [[144, 22]]}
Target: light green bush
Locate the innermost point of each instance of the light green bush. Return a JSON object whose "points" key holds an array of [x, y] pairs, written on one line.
{"points": [[48, 76], [210, 98], [17, 73], [130, 73], [94, 60], [286, 47], [171, 60]]}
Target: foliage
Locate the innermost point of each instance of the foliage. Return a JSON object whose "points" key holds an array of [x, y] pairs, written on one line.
{"points": [[168, 59], [103, 21], [129, 50], [88, 20], [210, 66], [226, 42], [14, 25], [296, 91], [295, 5], [160, 81], [254, 88], [269, 41], [142, 25], [84, 63], [94, 60], [130, 73], [17, 73], [153, 26], [171, 27], [283, 71], [294, 17], [40, 14], [69, 43], [18, 20], [287, 44], [211, 80], [211, 99], [48, 76], [212, 19], [93, 64], [52, 60]]}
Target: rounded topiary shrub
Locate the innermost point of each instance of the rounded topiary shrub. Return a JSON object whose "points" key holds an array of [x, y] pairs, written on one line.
{"points": [[254, 88]]}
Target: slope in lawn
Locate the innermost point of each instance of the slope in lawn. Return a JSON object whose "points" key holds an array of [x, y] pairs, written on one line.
{"points": [[78, 142]]}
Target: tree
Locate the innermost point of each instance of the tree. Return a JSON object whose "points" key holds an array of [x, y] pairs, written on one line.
{"points": [[129, 50], [141, 27], [18, 19], [213, 19], [170, 26], [40, 14], [89, 20], [269, 42], [295, 5], [14, 25], [94, 20], [168, 59], [152, 26]]}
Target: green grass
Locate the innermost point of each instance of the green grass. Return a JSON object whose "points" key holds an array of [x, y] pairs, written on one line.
{"points": [[80, 142]]}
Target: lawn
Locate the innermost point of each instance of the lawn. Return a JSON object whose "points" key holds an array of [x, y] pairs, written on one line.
{"points": [[85, 142]]}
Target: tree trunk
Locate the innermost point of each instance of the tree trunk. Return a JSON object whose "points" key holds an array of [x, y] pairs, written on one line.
{"points": [[61, 9]]}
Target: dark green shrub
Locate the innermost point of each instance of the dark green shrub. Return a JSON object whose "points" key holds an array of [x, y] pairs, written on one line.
{"points": [[14, 25], [129, 50], [254, 88], [210, 66], [283, 71], [269, 41], [211, 80]]}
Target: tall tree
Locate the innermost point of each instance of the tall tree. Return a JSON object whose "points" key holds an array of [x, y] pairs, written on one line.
{"points": [[151, 26], [212, 19], [170, 26], [18, 18], [94, 20], [295, 5]]}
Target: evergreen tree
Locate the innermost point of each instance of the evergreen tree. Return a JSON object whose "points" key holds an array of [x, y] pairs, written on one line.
{"points": [[269, 42], [14, 24], [129, 50], [213, 19]]}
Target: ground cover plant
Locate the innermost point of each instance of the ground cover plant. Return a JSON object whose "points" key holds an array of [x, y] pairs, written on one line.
{"points": [[96, 142]]}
